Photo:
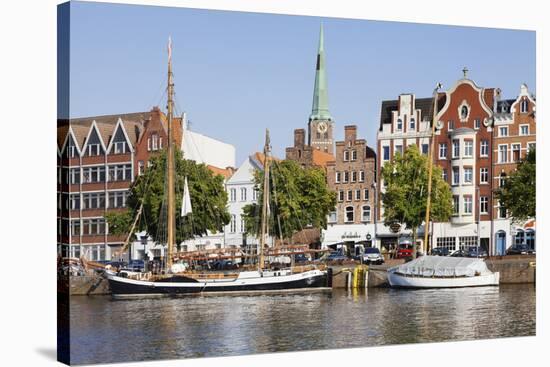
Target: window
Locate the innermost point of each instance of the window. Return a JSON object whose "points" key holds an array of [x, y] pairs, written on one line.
{"points": [[365, 215], [353, 155], [412, 124], [503, 131], [338, 176], [530, 146], [450, 125], [484, 205], [444, 175], [467, 241], [120, 172], [503, 153], [318, 135], [386, 153], [501, 210], [425, 148], [399, 124], [502, 179], [468, 175], [149, 144], [399, 149], [484, 148], [74, 176], [333, 217], [341, 195], [530, 238], [243, 193], [484, 175], [94, 149], [350, 195], [357, 194], [349, 214], [93, 174], [93, 227], [477, 124], [468, 148], [442, 151], [254, 194], [141, 167], [346, 155], [117, 199], [75, 227], [353, 176], [464, 113], [94, 200], [519, 238], [160, 142], [516, 152], [72, 151], [456, 175], [446, 242], [361, 176], [243, 227], [455, 204], [366, 194], [524, 130], [524, 106], [467, 204], [233, 195], [233, 224], [456, 148], [346, 176], [154, 142], [120, 147], [74, 201]]}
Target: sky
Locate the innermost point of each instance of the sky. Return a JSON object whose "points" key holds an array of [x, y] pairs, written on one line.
{"points": [[238, 73]]}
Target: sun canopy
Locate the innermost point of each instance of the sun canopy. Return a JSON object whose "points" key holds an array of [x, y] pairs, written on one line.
{"points": [[428, 266]]}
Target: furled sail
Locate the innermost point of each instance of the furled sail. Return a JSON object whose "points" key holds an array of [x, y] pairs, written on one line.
{"points": [[186, 202]]}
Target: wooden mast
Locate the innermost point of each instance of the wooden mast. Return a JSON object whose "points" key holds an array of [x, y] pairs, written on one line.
{"points": [[170, 164], [430, 173], [265, 203]]}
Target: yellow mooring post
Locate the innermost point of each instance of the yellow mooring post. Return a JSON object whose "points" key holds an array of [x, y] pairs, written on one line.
{"points": [[359, 277]]}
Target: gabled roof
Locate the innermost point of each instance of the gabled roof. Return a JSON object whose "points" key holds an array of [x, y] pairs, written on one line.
{"points": [[225, 172], [425, 105], [259, 158], [321, 158]]}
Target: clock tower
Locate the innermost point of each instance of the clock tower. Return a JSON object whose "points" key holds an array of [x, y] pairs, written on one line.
{"points": [[321, 125]]}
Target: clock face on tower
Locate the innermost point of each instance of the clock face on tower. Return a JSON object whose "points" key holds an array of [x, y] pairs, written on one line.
{"points": [[322, 127]]}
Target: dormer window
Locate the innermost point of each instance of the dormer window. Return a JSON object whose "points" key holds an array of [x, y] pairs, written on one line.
{"points": [[120, 147], [399, 124], [93, 149]]}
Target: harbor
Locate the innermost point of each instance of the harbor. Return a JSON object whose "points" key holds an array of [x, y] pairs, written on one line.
{"points": [[108, 331]]}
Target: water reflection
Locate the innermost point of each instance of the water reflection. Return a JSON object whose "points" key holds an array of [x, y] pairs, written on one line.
{"points": [[103, 330]]}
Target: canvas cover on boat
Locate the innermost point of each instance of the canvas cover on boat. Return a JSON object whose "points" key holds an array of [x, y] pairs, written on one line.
{"points": [[429, 266]]}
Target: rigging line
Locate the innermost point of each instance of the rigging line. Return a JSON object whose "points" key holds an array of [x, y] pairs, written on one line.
{"points": [[276, 207]]}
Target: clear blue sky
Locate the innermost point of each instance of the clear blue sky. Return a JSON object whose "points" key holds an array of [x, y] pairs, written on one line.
{"points": [[238, 73]]}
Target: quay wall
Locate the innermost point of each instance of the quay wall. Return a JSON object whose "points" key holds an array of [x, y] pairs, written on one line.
{"points": [[89, 285]]}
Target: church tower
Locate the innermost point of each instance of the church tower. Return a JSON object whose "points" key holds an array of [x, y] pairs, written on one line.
{"points": [[320, 126]]}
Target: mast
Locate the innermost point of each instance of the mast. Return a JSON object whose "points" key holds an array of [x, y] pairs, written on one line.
{"points": [[430, 173], [265, 202], [171, 220]]}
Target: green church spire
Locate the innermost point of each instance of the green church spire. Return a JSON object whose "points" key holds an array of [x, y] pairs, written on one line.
{"points": [[319, 110]]}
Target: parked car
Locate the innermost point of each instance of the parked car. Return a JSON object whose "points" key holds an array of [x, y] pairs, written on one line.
{"points": [[372, 255], [460, 253], [404, 250], [336, 256], [300, 258], [521, 249], [440, 251], [475, 251], [136, 265]]}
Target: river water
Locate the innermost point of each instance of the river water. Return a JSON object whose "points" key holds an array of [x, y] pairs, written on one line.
{"points": [[105, 330]]}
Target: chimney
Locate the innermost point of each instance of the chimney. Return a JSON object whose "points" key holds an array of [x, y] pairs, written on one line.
{"points": [[350, 133], [299, 138]]}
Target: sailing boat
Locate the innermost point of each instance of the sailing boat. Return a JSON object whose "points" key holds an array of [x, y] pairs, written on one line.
{"points": [[173, 282], [440, 271]]}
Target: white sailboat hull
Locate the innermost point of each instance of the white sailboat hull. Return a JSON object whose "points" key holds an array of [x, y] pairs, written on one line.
{"points": [[407, 281]]}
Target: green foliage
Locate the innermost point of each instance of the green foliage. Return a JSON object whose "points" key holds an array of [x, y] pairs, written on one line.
{"points": [[298, 197], [208, 200], [406, 191], [519, 193]]}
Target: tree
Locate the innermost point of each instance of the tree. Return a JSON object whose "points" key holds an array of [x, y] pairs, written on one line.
{"points": [[519, 193], [406, 192], [208, 199], [298, 197]]}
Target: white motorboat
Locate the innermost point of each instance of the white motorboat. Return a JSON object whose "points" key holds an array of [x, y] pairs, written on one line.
{"points": [[442, 272]]}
